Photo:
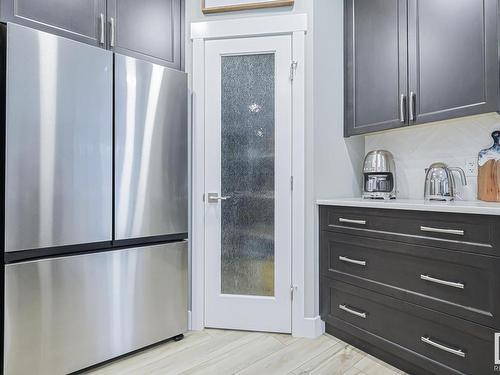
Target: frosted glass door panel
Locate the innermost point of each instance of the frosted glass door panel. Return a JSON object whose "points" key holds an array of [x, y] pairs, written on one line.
{"points": [[247, 183], [247, 174]]}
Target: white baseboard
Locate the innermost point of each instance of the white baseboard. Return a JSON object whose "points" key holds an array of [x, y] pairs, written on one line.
{"points": [[310, 328], [194, 325]]}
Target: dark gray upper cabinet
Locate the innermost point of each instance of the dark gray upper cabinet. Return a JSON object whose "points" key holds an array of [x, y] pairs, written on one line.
{"points": [[453, 64], [82, 20], [375, 65], [146, 29], [415, 61]]}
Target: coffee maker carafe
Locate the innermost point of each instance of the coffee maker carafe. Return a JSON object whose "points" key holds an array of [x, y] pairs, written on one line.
{"points": [[379, 175]]}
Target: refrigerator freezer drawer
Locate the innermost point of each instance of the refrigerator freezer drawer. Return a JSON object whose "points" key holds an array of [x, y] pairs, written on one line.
{"points": [[59, 141], [65, 314], [151, 170]]}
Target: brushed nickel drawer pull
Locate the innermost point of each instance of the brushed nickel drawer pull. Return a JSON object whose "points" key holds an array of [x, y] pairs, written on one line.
{"points": [[442, 282], [353, 261], [457, 232], [458, 352], [350, 221], [353, 312]]}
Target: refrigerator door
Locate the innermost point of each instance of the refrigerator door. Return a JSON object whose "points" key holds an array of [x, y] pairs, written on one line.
{"points": [[66, 314], [59, 141], [151, 157]]}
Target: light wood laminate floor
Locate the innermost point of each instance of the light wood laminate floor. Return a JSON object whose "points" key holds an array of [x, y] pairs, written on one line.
{"points": [[221, 352]]}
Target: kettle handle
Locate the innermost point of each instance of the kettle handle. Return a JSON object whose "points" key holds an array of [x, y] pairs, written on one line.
{"points": [[461, 172]]}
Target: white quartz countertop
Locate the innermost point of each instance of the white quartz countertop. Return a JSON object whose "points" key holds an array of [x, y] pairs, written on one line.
{"points": [[465, 207]]}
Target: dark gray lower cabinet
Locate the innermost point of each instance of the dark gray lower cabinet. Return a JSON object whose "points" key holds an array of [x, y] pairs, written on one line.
{"points": [[82, 20], [147, 29], [426, 304], [440, 344]]}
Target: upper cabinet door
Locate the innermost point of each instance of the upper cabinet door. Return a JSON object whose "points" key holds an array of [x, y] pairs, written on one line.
{"points": [[376, 66], [81, 20], [453, 58], [146, 29]]}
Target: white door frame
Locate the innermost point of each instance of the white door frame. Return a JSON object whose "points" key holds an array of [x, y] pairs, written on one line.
{"points": [[296, 26]]}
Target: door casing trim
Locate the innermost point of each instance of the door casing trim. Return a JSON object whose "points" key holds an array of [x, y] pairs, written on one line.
{"points": [[294, 25]]}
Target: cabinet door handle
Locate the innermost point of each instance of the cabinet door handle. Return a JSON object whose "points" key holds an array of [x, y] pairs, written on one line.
{"points": [[112, 32], [353, 261], [353, 312], [457, 232], [349, 221], [445, 348], [402, 108], [442, 282], [101, 24], [413, 99]]}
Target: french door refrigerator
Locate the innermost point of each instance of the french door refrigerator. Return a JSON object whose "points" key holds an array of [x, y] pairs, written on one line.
{"points": [[95, 215]]}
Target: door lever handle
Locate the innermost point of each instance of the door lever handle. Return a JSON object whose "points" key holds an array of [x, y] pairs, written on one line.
{"points": [[214, 198]]}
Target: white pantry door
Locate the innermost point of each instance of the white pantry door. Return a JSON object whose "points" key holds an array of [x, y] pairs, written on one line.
{"points": [[248, 212]]}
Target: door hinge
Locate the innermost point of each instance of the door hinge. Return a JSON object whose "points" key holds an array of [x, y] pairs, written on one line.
{"points": [[291, 183], [293, 69]]}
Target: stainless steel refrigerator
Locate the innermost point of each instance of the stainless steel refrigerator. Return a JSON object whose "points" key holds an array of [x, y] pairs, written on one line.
{"points": [[95, 216]]}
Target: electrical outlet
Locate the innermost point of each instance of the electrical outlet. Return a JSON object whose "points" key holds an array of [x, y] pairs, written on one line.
{"points": [[471, 167]]}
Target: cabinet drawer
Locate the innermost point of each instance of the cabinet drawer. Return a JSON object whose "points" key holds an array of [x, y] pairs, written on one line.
{"points": [[474, 233], [440, 343], [463, 284]]}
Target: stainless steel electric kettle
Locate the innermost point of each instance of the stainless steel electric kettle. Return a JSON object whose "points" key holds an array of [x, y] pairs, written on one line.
{"points": [[440, 184]]}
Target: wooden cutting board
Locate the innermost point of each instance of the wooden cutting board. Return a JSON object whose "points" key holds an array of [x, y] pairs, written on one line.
{"points": [[489, 181], [489, 171]]}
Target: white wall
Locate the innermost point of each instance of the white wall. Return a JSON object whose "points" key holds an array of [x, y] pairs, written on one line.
{"points": [[332, 163], [451, 141], [337, 161]]}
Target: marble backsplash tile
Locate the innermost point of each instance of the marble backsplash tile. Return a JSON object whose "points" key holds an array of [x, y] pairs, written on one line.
{"points": [[452, 142]]}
